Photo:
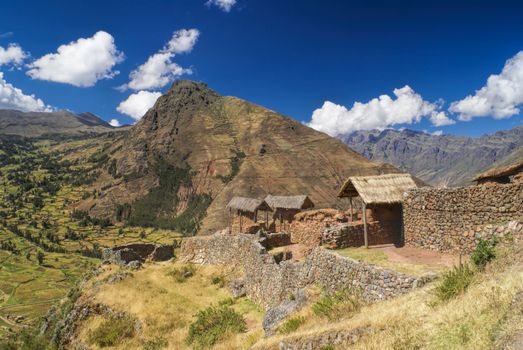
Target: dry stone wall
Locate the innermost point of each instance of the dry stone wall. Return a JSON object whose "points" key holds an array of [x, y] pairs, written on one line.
{"points": [[269, 283], [452, 220]]}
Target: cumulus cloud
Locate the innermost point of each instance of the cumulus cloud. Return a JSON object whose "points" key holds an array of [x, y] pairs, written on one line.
{"points": [[12, 55], [115, 122], [159, 69], [224, 5], [138, 104], [80, 63], [157, 72], [499, 98], [407, 108], [183, 41], [14, 98]]}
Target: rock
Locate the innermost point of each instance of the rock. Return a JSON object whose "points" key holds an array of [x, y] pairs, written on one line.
{"points": [[118, 276], [275, 315], [187, 274], [237, 287], [134, 265]]}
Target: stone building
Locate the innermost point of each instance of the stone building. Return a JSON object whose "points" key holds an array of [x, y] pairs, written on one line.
{"points": [[381, 197], [501, 175], [286, 207], [245, 214]]}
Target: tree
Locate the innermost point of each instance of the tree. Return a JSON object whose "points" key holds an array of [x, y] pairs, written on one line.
{"points": [[40, 257]]}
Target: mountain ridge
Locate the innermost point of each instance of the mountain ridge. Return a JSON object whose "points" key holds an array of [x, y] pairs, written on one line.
{"points": [[439, 159], [205, 148], [38, 124]]}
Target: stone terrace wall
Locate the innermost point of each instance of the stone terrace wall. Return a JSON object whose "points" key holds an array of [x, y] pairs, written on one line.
{"points": [[351, 235], [451, 220], [269, 283]]}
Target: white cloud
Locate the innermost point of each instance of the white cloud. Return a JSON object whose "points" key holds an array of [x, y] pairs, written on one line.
{"points": [[159, 69], [499, 98], [379, 113], [14, 98], [157, 72], [438, 133], [138, 104], [225, 5], [182, 41], [6, 35], [80, 63], [12, 55], [441, 119], [115, 122]]}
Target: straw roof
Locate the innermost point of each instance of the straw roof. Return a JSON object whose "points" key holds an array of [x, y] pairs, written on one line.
{"points": [[248, 204], [508, 170], [378, 189], [289, 202]]}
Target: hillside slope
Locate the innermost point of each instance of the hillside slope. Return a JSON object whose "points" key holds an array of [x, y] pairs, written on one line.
{"points": [[196, 149], [36, 124], [447, 159]]}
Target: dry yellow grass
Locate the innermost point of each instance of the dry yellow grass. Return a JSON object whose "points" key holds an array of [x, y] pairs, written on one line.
{"points": [[165, 307], [478, 319]]}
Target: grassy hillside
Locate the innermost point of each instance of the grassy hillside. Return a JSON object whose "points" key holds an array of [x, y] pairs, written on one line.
{"points": [[46, 245], [485, 315]]}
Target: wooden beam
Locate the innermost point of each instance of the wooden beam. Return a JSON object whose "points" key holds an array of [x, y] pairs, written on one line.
{"points": [[240, 221], [364, 206]]}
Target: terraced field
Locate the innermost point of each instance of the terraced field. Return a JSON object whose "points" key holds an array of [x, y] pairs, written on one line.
{"points": [[46, 245]]}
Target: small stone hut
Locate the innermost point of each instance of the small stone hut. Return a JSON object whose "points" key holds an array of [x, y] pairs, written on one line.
{"points": [[381, 197], [244, 214], [502, 175], [285, 207]]}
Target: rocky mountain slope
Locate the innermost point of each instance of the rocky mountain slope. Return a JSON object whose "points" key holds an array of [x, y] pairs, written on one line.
{"points": [[194, 150], [37, 124], [445, 159]]}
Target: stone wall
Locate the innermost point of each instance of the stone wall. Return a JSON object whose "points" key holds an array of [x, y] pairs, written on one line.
{"points": [[269, 283], [452, 220], [308, 226], [352, 235]]}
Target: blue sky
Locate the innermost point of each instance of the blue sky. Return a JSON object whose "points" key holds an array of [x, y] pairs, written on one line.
{"points": [[290, 56]]}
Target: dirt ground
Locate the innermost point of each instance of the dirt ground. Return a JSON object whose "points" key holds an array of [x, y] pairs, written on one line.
{"points": [[413, 255]]}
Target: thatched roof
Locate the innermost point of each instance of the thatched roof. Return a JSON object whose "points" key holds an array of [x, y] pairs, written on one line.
{"points": [[248, 204], [378, 189], [503, 171], [289, 202]]}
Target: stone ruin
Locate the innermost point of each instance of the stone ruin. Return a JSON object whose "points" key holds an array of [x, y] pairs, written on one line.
{"points": [[139, 252]]}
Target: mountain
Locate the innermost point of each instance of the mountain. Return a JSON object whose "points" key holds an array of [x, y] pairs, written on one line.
{"points": [[443, 159], [37, 124], [195, 149]]}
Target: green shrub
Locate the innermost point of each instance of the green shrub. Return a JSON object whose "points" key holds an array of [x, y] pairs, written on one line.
{"points": [[112, 331], [219, 281], [213, 325], [454, 282], [337, 305], [484, 253], [156, 343], [328, 347], [291, 325], [183, 273], [226, 302]]}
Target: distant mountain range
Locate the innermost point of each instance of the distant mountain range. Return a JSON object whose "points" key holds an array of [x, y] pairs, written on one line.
{"points": [[37, 124], [439, 160]]}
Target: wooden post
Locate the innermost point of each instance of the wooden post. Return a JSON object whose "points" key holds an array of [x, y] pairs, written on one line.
{"points": [[364, 206], [351, 214], [240, 221], [230, 221]]}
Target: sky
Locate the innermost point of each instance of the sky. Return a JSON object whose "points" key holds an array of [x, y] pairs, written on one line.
{"points": [[443, 67]]}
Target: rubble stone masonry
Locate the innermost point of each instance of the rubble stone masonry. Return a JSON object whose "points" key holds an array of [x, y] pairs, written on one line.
{"points": [[269, 283], [453, 219]]}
